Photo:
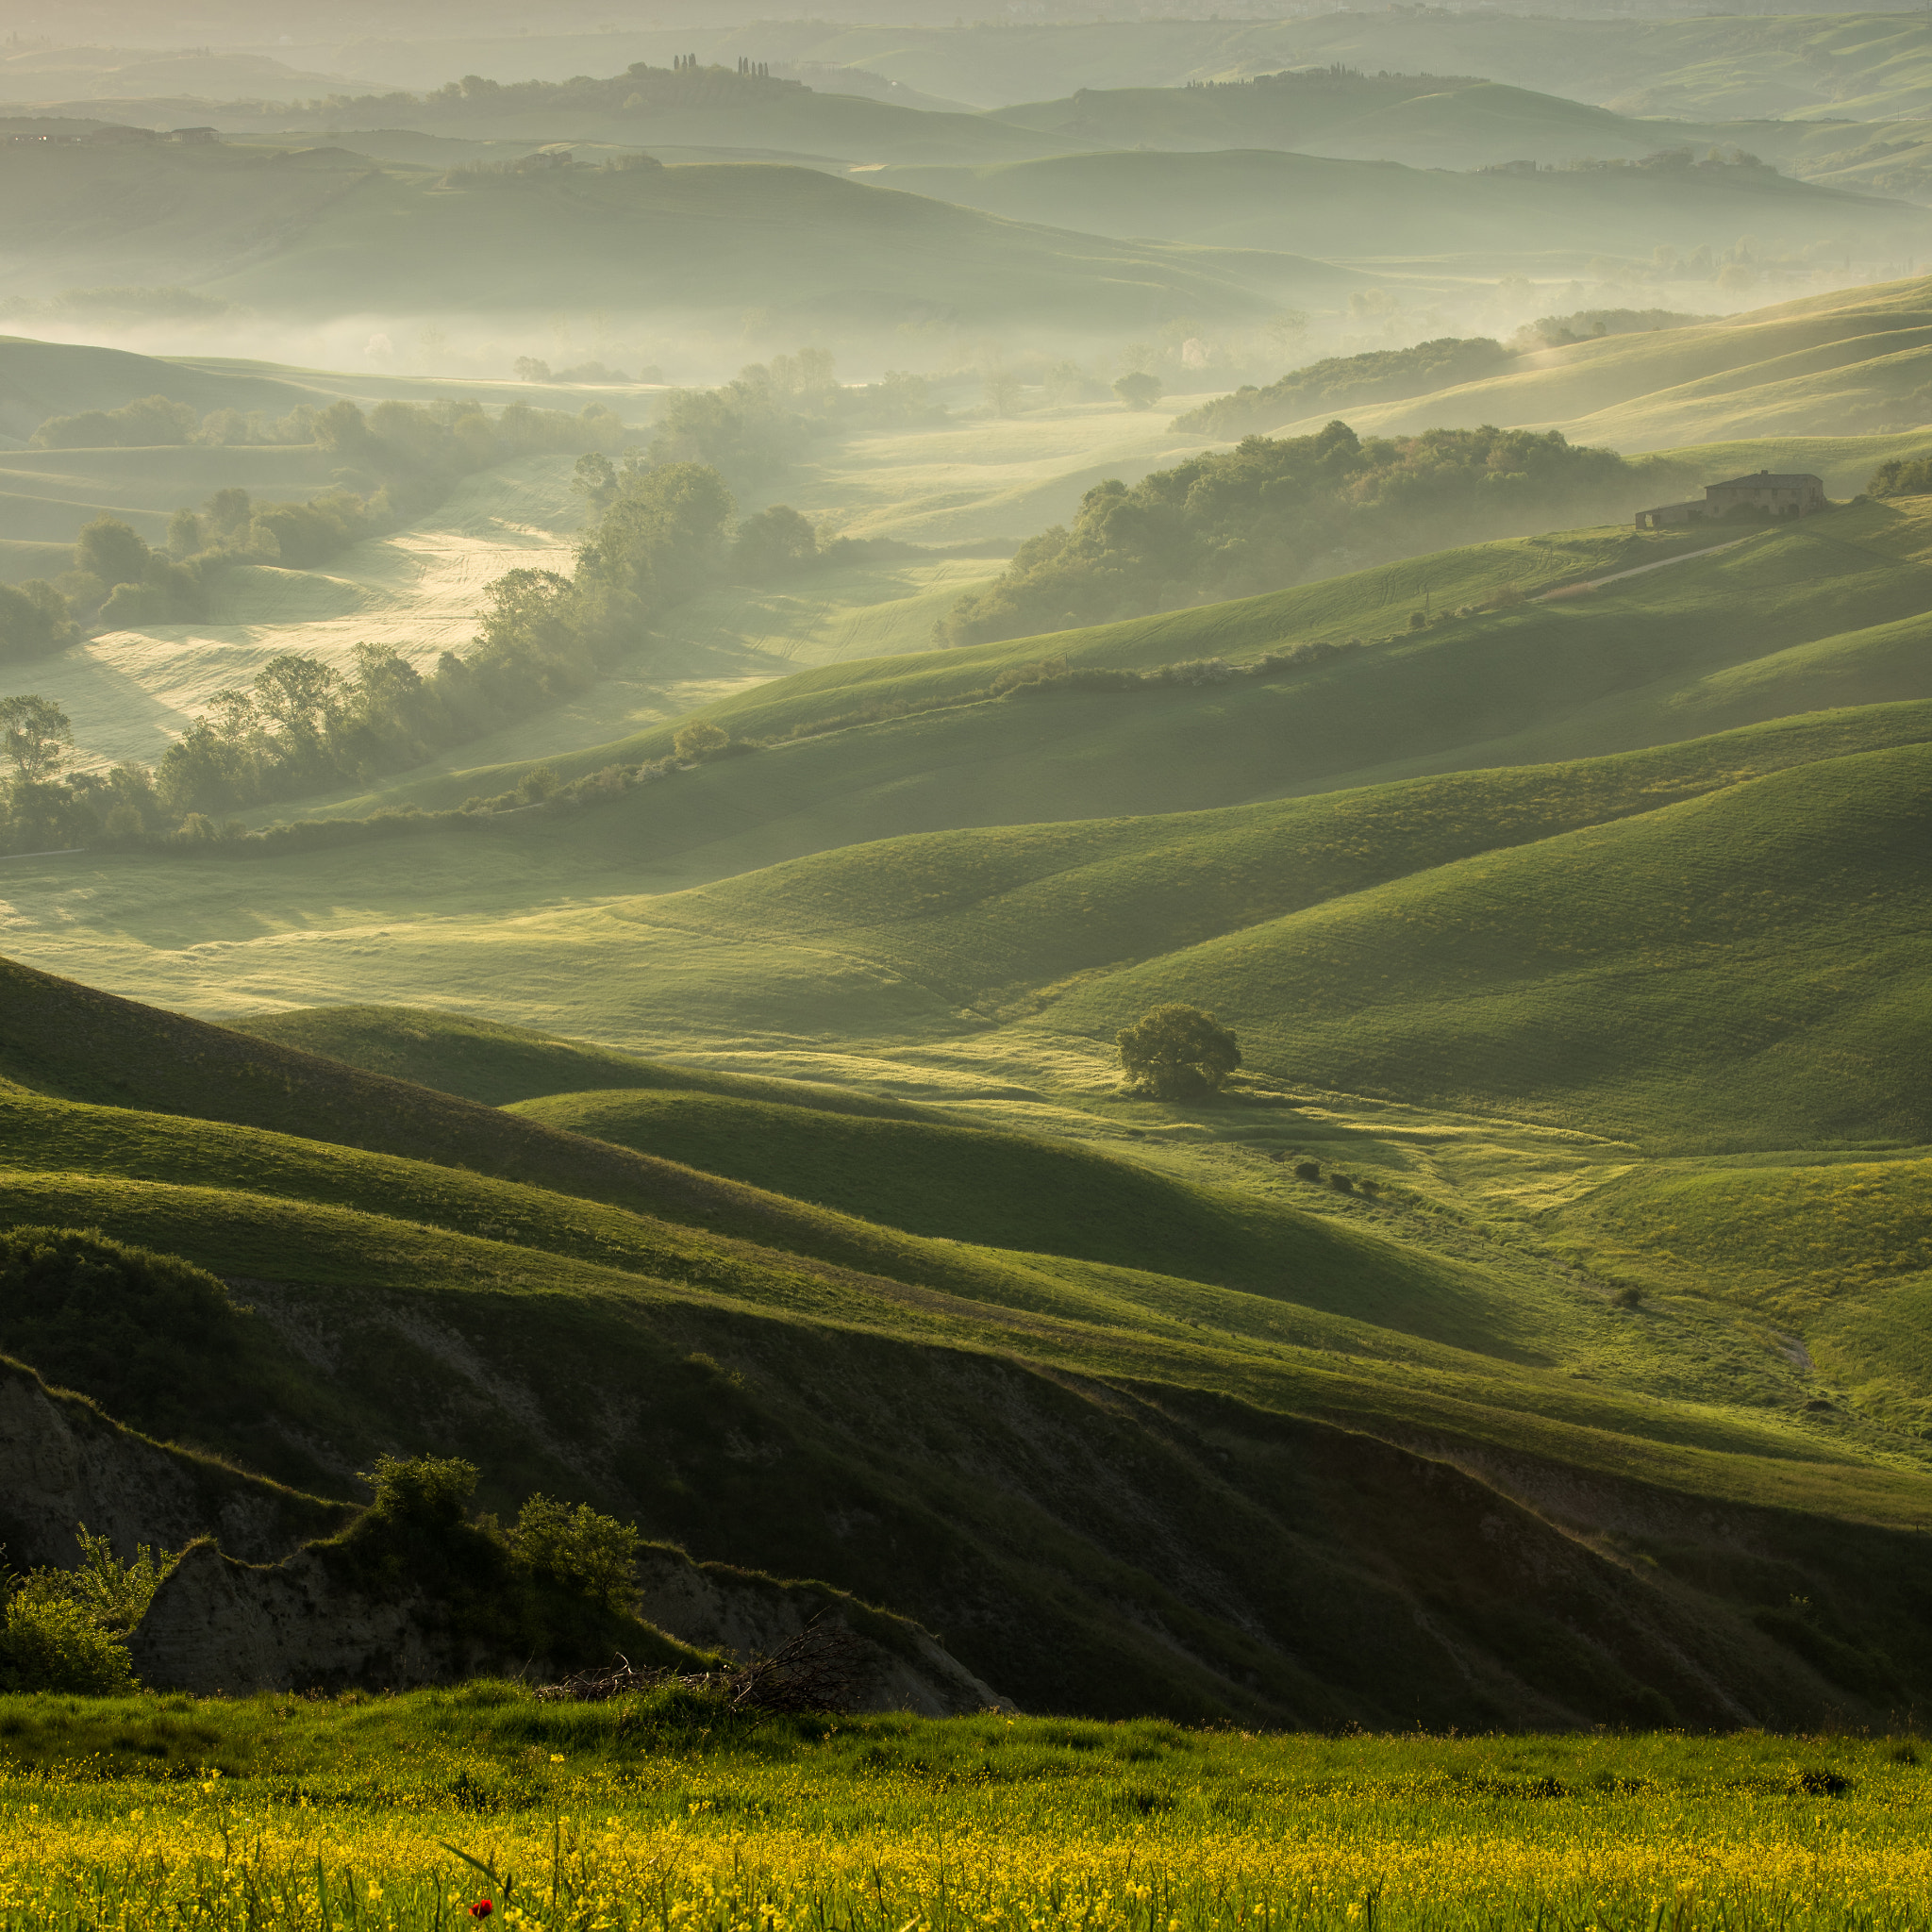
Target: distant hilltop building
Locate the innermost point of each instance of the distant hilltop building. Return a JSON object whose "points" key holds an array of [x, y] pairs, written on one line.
{"points": [[1780, 494]]}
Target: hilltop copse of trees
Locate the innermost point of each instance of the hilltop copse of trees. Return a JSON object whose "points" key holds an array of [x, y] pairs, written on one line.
{"points": [[1273, 512]]}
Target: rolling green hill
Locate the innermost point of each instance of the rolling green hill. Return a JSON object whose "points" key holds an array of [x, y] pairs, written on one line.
{"points": [[549, 918], [730, 1397]]}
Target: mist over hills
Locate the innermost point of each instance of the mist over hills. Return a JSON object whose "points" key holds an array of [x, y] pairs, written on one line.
{"points": [[319, 231], [1249, 198]]}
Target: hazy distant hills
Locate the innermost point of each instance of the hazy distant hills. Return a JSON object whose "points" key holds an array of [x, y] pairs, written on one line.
{"points": [[1320, 205], [1725, 66], [326, 232], [88, 73]]}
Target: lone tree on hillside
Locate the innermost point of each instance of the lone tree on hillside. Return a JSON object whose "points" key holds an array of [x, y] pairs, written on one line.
{"points": [[35, 732], [1139, 390], [1179, 1053]]}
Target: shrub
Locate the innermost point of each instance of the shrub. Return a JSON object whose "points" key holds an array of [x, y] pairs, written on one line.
{"points": [[1341, 1183], [49, 1642], [1307, 1169], [1631, 1297], [700, 740], [424, 1490], [577, 1547]]}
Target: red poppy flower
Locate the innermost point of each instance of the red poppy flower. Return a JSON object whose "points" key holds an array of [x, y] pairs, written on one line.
{"points": [[481, 1909]]}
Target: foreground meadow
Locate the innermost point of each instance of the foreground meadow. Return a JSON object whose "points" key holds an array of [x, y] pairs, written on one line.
{"points": [[671, 1812]]}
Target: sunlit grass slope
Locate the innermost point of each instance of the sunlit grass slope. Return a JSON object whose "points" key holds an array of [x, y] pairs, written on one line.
{"points": [[1247, 197], [1839, 1251], [1822, 366], [1806, 619], [197, 1070], [1010, 1190], [1746, 969], [499, 1065]]}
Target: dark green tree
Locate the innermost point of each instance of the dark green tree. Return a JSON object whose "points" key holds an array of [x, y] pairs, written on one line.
{"points": [[1179, 1053], [34, 620], [1138, 390], [35, 734], [111, 550], [772, 542]]}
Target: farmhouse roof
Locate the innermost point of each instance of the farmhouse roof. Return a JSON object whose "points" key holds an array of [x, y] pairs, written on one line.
{"points": [[1765, 479]]}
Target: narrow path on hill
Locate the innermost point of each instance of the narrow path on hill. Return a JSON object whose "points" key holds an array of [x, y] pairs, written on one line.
{"points": [[1640, 569]]}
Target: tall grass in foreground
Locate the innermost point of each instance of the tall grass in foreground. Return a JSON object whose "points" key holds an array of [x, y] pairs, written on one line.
{"points": [[406, 1813]]}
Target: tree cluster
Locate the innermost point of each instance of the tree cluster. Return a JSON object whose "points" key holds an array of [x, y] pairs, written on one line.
{"points": [[1902, 477], [1273, 512], [659, 533], [765, 418], [397, 461], [153, 422]]}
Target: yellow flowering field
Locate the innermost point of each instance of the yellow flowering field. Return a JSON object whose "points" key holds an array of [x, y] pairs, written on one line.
{"points": [[410, 1812]]}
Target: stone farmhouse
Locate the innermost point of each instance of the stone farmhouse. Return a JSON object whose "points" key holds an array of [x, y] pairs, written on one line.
{"points": [[1783, 494]]}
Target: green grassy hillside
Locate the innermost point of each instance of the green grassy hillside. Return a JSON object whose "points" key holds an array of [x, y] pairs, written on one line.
{"points": [[498, 1065], [1838, 1253], [1722, 640], [1010, 1190], [546, 919], [1730, 972], [751, 1407], [1246, 198]]}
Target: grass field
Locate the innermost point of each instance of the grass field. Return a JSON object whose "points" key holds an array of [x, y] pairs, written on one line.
{"points": [[348, 1814]]}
